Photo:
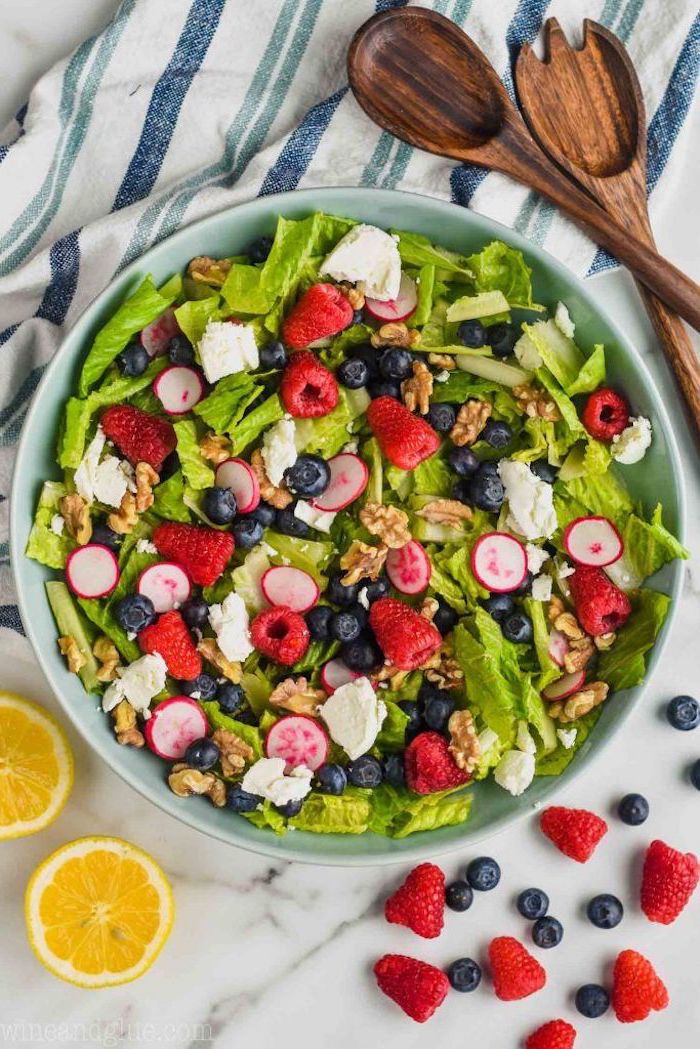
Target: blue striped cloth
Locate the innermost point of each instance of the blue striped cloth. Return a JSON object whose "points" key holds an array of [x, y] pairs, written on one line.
{"points": [[180, 108]]}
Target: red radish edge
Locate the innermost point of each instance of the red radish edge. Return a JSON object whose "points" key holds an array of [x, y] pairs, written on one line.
{"points": [[295, 732], [335, 673], [597, 558], [156, 335], [397, 309], [178, 388], [409, 568], [349, 477], [517, 552], [558, 647], [289, 586], [103, 581], [173, 725], [166, 584], [240, 477], [565, 686]]}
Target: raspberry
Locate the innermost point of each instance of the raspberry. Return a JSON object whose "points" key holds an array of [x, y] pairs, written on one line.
{"points": [[141, 437], [321, 311], [418, 988], [280, 634], [420, 902], [636, 988], [606, 414], [406, 638], [429, 766], [575, 832], [308, 390], [171, 639], [557, 1034], [202, 552], [601, 607], [405, 439], [515, 973], [668, 881]]}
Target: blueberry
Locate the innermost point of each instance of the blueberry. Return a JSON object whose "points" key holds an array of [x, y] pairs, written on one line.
{"points": [[517, 627], [489, 467], [369, 356], [533, 904], [496, 433], [353, 373], [464, 974], [459, 895], [247, 532], [365, 771], [441, 417], [499, 606], [219, 504], [683, 713], [544, 471], [318, 621], [445, 618], [345, 626], [384, 389], [230, 698], [202, 754], [247, 717], [264, 513], [462, 492], [362, 655], [437, 713], [547, 932], [240, 800], [393, 770], [273, 356], [180, 350], [502, 338], [415, 718], [104, 535], [340, 594], [695, 774], [291, 808], [395, 364], [171, 464], [483, 874], [331, 779], [605, 911], [133, 360], [472, 333], [486, 491], [204, 685], [375, 588], [358, 317], [309, 476], [259, 249], [463, 461], [288, 523], [592, 1000], [195, 612], [633, 809], [428, 693], [525, 587], [134, 612]]}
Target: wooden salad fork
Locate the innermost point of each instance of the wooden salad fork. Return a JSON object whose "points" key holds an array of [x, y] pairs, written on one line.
{"points": [[586, 109]]}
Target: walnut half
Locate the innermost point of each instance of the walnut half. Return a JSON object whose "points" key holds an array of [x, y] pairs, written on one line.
{"points": [[395, 333], [208, 648], [416, 391], [297, 696], [449, 512], [76, 513], [362, 561], [106, 654], [591, 695], [185, 781], [74, 657], [215, 448], [235, 753], [128, 735], [276, 496], [471, 419], [388, 523], [464, 741]]}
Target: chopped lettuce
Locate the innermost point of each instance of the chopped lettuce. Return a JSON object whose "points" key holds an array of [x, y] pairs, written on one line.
{"points": [[397, 812], [549, 670], [228, 402], [417, 250], [260, 418], [197, 471], [257, 688], [246, 579], [318, 653], [392, 735], [433, 477], [623, 665], [602, 494], [250, 734], [592, 373], [72, 623], [168, 496], [425, 282], [497, 267], [485, 304], [649, 546], [555, 761], [267, 816], [347, 813], [102, 616], [559, 353], [326, 435], [308, 554], [193, 316], [490, 368], [244, 292], [44, 545]]}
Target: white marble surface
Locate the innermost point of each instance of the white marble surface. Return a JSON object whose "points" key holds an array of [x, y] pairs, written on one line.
{"points": [[266, 954]]}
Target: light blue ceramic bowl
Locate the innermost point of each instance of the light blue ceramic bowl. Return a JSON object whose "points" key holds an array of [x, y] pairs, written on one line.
{"points": [[657, 478]]}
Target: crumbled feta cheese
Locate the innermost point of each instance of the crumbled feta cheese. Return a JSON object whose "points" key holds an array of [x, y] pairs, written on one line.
{"points": [[523, 739], [368, 257], [138, 683], [226, 348], [57, 524], [527, 354], [487, 739], [515, 771], [319, 519], [278, 449], [442, 376], [84, 477], [631, 445], [105, 481], [196, 695], [541, 588], [266, 779], [351, 446], [530, 505], [565, 570], [362, 598], [536, 557], [354, 716], [145, 546], [229, 621], [563, 321], [567, 737]]}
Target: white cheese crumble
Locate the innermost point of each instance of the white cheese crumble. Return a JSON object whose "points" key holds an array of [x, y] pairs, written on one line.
{"points": [[363, 598], [530, 504], [319, 519], [229, 621], [567, 737], [536, 557], [105, 481], [541, 588], [442, 376], [57, 524], [563, 321], [368, 257], [631, 445], [278, 449], [515, 771], [527, 354], [138, 683], [226, 348], [523, 739], [354, 716], [266, 779], [145, 546], [565, 570]]}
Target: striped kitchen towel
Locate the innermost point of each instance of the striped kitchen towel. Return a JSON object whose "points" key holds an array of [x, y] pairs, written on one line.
{"points": [[180, 108]]}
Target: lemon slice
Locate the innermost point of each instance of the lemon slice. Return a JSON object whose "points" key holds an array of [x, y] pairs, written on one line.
{"points": [[36, 767], [98, 911]]}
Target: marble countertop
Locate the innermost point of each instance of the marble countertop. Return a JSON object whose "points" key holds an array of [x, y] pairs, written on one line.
{"points": [[266, 953]]}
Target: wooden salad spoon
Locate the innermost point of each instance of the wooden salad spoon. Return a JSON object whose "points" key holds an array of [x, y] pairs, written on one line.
{"points": [[419, 76], [586, 109]]}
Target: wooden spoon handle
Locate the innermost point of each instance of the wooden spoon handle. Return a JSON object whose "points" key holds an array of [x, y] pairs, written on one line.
{"points": [[678, 348]]}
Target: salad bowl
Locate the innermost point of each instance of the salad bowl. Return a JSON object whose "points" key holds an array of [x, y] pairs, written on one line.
{"points": [[657, 480]]}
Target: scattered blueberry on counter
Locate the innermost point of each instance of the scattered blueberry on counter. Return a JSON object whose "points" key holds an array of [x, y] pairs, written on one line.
{"points": [[633, 809], [683, 713], [605, 911], [547, 932], [483, 874], [459, 895], [695, 774], [533, 904], [592, 1000], [464, 974]]}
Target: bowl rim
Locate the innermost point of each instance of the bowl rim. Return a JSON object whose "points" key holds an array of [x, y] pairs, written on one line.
{"points": [[266, 843]]}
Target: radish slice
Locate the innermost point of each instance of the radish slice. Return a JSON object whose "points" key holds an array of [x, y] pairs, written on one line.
{"points": [[286, 585], [237, 475], [397, 309], [565, 686], [349, 477], [593, 541], [173, 725], [558, 647], [298, 739], [178, 388], [166, 584], [335, 673], [499, 562], [92, 571], [156, 336], [409, 568]]}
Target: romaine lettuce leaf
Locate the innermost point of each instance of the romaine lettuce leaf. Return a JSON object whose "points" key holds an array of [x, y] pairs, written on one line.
{"points": [[347, 813], [649, 546], [44, 545], [425, 281], [267, 817], [246, 579], [296, 241], [252, 425], [243, 290], [318, 653], [417, 250], [193, 316], [196, 469], [554, 762], [483, 304], [433, 477], [490, 691], [250, 734], [257, 688], [550, 671], [592, 373], [396, 812], [392, 735], [326, 435], [623, 666], [560, 354], [102, 616], [601, 494], [226, 405], [168, 497], [311, 555], [498, 267]]}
